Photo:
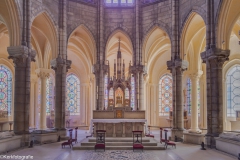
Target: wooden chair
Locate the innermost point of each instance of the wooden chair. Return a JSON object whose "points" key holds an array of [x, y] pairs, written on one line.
{"points": [[69, 142], [137, 141], [100, 139], [75, 139]]}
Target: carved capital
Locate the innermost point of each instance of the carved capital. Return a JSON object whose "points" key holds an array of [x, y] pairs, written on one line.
{"points": [[196, 76], [43, 73], [19, 54], [57, 63], [176, 64], [214, 53], [68, 64]]}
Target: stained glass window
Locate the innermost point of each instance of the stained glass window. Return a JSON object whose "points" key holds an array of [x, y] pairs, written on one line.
{"points": [[126, 93], [233, 91], [49, 95], [165, 95], [5, 90], [73, 94], [189, 95], [111, 93], [108, 1], [132, 92], [105, 91], [39, 95]]}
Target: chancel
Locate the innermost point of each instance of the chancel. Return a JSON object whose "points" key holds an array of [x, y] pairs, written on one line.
{"points": [[122, 77]]}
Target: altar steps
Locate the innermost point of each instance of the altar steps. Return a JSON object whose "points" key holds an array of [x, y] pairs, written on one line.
{"points": [[118, 144]]}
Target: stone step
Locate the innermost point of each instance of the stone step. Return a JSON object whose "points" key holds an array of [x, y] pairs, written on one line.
{"points": [[119, 139], [118, 144], [78, 147]]}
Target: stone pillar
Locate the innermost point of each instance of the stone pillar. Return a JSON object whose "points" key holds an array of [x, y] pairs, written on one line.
{"points": [[214, 59], [32, 102], [177, 67], [194, 109], [136, 79], [22, 57], [60, 66]]}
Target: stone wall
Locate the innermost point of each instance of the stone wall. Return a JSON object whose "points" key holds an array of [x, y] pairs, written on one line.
{"points": [[119, 18], [82, 14], [157, 14]]}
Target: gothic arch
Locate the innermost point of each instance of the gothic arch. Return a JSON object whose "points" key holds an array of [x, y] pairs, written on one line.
{"points": [[228, 15], [73, 27], [192, 38], [111, 34], [48, 29], [13, 24], [159, 24]]}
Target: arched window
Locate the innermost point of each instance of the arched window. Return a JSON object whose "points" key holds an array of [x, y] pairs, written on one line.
{"points": [[105, 91], [73, 94], [233, 91], [132, 92], [189, 95], [5, 90], [165, 95], [49, 95], [126, 93]]}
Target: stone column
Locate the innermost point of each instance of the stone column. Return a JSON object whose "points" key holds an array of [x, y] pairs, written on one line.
{"points": [[32, 102], [43, 74], [21, 56], [194, 110]]}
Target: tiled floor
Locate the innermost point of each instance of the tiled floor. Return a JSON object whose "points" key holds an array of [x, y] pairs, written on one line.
{"points": [[182, 152]]}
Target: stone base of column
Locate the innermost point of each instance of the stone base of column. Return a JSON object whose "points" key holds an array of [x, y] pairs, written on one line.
{"points": [[25, 141], [195, 131], [177, 135], [61, 132], [193, 138], [210, 141]]}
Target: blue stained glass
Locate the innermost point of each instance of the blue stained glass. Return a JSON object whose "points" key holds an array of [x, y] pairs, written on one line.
{"points": [[73, 94], [189, 95], [49, 95], [105, 91], [5, 89], [132, 92], [165, 94]]}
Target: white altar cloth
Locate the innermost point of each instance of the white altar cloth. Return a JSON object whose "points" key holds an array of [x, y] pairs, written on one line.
{"points": [[117, 121]]}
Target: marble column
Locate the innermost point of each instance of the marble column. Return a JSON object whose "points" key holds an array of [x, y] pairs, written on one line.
{"points": [[194, 106], [32, 102]]}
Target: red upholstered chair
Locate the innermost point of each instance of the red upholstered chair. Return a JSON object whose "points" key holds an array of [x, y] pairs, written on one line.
{"points": [[137, 140], [75, 139], [100, 139]]}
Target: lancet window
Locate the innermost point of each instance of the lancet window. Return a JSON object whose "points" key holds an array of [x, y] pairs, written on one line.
{"points": [[165, 95], [106, 91], [132, 92], [5, 90], [49, 95], [73, 94], [233, 91]]}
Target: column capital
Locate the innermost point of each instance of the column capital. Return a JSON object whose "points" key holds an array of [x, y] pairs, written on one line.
{"points": [[59, 63], [196, 75], [215, 53], [43, 73], [19, 54], [177, 63]]}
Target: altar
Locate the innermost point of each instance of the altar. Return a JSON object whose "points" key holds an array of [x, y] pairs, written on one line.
{"points": [[118, 127]]}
